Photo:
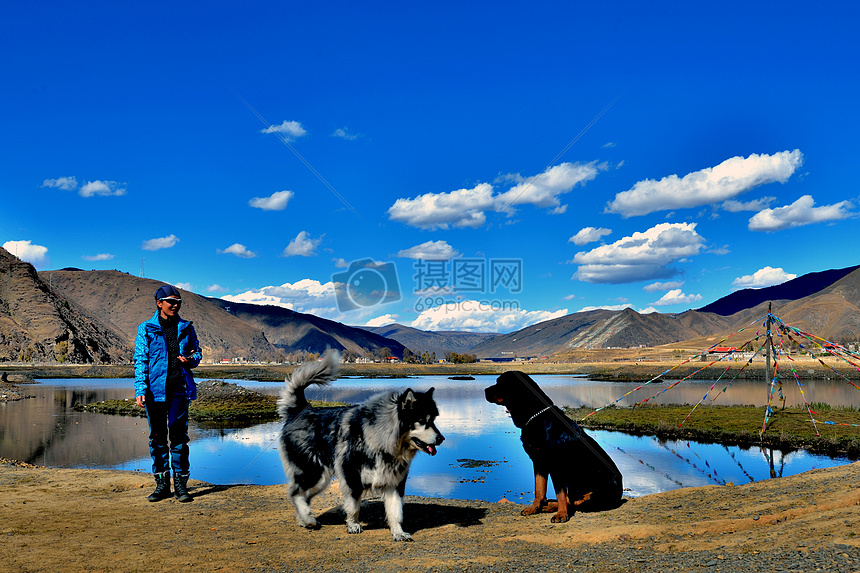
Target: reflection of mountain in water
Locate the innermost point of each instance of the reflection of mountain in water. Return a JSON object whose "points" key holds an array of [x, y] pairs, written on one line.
{"points": [[44, 430]]}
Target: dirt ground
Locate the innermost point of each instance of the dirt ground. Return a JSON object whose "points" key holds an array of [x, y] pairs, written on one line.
{"points": [[99, 520]]}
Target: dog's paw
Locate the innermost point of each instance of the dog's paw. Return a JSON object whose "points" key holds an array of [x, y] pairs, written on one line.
{"points": [[560, 518], [309, 523], [353, 528], [402, 536]]}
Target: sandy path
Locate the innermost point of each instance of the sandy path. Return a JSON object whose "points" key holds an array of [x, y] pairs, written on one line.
{"points": [[94, 520]]}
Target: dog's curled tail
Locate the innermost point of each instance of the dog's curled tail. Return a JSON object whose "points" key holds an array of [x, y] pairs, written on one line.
{"points": [[322, 371]]}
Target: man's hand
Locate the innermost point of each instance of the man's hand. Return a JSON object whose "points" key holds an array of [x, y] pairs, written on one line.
{"points": [[140, 401]]}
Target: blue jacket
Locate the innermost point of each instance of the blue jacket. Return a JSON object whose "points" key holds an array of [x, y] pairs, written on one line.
{"points": [[150, 358]]}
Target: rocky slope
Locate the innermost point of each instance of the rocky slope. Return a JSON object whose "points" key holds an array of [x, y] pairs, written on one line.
{"points": [[38, 324]]}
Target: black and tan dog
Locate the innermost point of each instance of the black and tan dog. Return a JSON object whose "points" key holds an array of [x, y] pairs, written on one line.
{"points": [[584, 477]]}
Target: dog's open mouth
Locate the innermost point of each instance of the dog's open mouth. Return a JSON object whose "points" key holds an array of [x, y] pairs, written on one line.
{"points": [[429, 448]]}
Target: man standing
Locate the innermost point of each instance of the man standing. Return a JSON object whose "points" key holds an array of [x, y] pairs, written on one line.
{"points": [[165, 351]]}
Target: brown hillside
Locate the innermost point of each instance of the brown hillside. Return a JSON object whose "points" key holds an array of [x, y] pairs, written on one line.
{"points": [[833, 313], [299, 332], [125, 301], [37, 324], [600, 329]]}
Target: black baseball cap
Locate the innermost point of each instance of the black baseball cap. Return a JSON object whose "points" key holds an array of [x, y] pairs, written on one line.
{"points": [[165, 291]]}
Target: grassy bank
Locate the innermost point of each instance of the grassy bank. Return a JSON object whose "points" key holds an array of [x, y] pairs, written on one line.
{"points": [[217, 401], [788, 429]]}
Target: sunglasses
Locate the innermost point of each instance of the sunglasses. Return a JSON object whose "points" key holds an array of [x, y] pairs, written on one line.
{"points": [[171, 301]]}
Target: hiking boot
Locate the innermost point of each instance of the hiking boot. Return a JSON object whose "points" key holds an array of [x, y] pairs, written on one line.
{"points": [[162, 487], [180, 482]]}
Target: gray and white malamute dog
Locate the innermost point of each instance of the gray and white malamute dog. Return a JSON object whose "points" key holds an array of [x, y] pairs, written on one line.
{"points": [[368, 446]]}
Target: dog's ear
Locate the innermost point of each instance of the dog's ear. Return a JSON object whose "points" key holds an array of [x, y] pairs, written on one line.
{"points": [[408, 399], [430, 392]]}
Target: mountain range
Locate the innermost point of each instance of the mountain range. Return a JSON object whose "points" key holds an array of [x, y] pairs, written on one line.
{"points": [[438, 343], [825, 304], [71, 315]]}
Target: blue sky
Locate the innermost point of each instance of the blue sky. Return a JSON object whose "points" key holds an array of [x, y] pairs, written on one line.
{"points": [[456, 166]]}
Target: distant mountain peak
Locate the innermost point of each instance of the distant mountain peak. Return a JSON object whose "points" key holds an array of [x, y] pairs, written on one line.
{"points": [[794, 289]]}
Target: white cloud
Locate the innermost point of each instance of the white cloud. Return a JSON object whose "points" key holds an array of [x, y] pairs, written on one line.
{"points": [[675, 296], [344, 133], [434, 290], [617, 307], [98, 257], [307, 296], [289, 130], [215, 288], [569, 297], [275, 202], [589, 235], [468, 207], [765, 277], [102, 189], [727, 180], [606, 307], [36, 255], [461, 208], [642, 256], [161, 243], [733, 206], [185, 286], [801, 212], [478, 316], [340, 263], [430, 251], [545, 189], [239, 250], [89, 189], [302, 246], [383, 320], [657, 287], [64, 183]]}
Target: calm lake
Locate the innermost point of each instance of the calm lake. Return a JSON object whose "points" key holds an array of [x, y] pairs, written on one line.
{"points": [[45, 430]]}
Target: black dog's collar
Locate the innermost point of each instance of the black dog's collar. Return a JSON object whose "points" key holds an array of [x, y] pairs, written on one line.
{"points": [[536, 415]]}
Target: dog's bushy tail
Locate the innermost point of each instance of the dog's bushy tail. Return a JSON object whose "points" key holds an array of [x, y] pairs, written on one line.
{"points": [[322, 371]]}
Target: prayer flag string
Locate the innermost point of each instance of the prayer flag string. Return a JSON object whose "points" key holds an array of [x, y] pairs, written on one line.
{"points": [[705, 353], [786, 336]]}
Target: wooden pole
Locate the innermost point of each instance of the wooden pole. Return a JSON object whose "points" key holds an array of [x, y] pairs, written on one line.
{"points": [[769, 343], [767, 376]]}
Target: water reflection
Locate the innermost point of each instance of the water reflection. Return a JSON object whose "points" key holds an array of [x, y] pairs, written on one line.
{"points": [[45, 430]]}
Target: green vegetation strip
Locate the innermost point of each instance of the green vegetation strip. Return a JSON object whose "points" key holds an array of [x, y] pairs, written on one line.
{"points": [[217, 401], [263, 410], [788, 429]]}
